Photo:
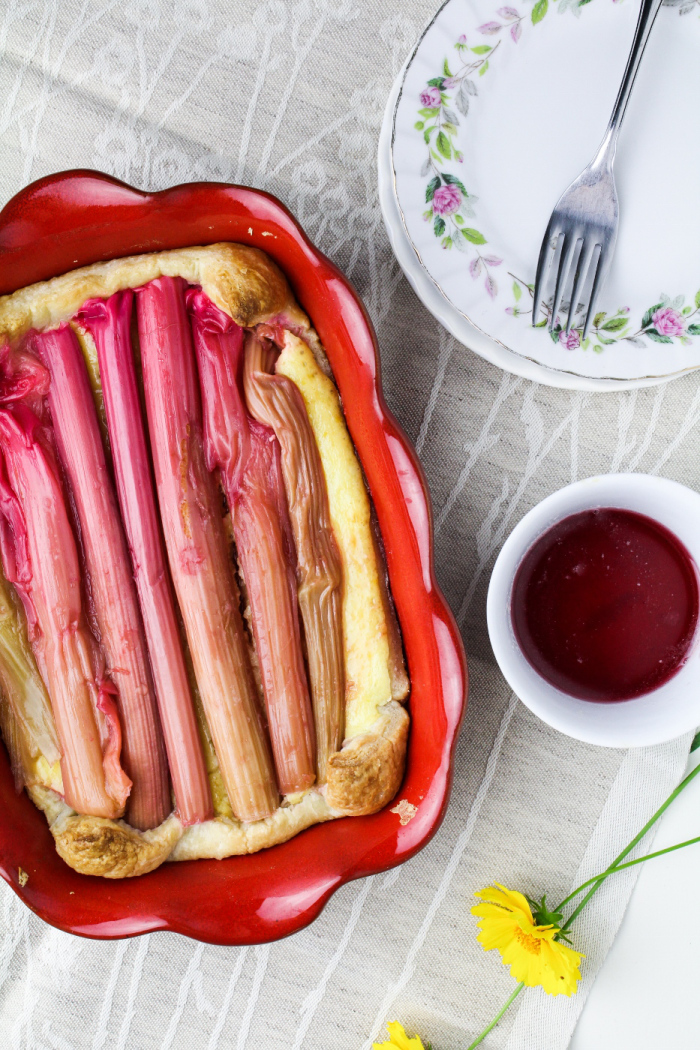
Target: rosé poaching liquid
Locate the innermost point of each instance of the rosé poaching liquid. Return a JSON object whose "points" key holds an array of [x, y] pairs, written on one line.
{"points": [[605, 605]]}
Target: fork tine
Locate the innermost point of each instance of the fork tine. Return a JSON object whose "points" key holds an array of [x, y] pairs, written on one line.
{"points": [[567, 254], [544, 263], [583, 262], [597, 280]]}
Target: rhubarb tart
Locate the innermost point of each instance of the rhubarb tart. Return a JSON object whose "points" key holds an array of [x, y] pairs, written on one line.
{"points": [[199, 654]]}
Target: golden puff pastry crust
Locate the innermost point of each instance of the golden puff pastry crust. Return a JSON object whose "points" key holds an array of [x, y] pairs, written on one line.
{"points": [[225, 837], [367, 772], [112, 849], [243, 282]]}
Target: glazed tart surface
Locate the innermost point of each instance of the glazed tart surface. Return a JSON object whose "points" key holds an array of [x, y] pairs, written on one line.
{"points": [[199, 652]]}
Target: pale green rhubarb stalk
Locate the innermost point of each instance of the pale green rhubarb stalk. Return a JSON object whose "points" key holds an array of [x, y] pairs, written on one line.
{"points": [[110, 585], [108, 322], [28, 724], [276, 401], [195, 540], [40, 559], [246, 455]]}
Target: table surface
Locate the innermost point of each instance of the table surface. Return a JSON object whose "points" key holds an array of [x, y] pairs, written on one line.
{"points": [[289, 98]]}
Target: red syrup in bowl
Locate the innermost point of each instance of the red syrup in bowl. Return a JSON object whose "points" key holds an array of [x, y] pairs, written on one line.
{"points": [[605, 605]]}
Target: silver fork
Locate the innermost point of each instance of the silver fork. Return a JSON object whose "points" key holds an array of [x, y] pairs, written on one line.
{"points": [[583, 227]]}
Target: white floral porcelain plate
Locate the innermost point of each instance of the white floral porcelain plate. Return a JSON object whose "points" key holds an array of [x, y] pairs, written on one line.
{"points": [[499, 108]]}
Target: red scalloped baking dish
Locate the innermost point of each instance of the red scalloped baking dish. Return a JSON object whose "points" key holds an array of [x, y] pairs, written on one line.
{"points": [[79, 217]]}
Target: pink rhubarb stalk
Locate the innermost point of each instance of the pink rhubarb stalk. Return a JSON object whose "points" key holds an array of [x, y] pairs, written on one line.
{"points": [[276, 401], [198, 552], [41, 559], [114, 603], [108, 321], [265, 548], [247, 456]]}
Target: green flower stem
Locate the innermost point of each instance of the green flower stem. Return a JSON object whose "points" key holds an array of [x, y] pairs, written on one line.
{"points": [[497, 1018], [629, 864], [600, 879], [597, 881]]}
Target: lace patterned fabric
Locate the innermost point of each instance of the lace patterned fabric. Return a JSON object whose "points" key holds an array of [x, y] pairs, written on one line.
{"points": [[289, 97]]}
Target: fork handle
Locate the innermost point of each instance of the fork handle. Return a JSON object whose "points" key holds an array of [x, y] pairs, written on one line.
{"points": [[647, 16]]}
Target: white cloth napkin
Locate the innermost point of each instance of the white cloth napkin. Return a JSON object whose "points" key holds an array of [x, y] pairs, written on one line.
{"points": [[289, 97]]}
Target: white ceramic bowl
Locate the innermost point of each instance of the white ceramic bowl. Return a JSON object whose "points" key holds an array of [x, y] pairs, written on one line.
{"points": [[666, 712]]}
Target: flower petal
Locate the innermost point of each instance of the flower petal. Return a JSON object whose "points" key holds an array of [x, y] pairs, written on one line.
{"points": [[532, 953], [509, 899], [398, 1039]]}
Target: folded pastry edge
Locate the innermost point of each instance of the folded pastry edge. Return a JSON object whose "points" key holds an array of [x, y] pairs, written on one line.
{"points": [[363, 778], [242, 281], [367, 772]]}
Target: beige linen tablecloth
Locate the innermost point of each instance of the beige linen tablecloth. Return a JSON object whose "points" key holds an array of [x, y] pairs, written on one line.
{"points": [[289, 97]]}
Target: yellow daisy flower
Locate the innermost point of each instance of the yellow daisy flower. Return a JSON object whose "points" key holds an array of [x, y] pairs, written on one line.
{"points": [[534, 957], [398, 1039]]}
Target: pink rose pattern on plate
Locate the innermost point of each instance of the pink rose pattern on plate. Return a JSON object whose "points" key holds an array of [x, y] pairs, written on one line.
{"points": [[570, 340], [450, 204], [666, 321], [447, 199], [431, 97]]}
